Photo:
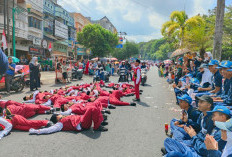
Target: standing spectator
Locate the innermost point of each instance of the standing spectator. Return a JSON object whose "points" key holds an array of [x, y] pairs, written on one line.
{"points": [[108, 67], [9, 74], [34, 74], [64, 72]]}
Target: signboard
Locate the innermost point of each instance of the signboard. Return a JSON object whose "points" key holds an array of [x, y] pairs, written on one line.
{"points": [[44, 44], [119, 46], [36, 51], [61, 30], [36, 41], [80, 51]]}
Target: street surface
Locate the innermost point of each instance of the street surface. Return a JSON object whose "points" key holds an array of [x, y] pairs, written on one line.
{"points": [[133, 131]]}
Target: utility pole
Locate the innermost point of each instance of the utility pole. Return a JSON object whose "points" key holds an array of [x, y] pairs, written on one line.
{"points": [[4, 10], [8, 27], [13, 43]]}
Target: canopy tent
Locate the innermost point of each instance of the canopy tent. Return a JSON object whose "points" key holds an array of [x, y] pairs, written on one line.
{"points": [[113, 59], [179, 52]]}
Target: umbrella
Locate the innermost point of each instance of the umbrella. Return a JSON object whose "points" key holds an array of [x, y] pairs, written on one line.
{"points": [[15, 60], [95, 59], [113, 59], [168, 61], [179, 52]]}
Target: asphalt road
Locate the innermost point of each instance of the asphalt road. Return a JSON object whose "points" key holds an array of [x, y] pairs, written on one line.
{"points": [[133, 131]]}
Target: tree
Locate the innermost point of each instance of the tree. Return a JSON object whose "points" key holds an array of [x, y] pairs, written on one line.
{"points": [[178, 24], [199, 38], [217, 46], [129, 49], [99, 40]]}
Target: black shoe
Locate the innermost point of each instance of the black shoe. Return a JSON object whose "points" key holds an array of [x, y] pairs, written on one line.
{"points": [[103, 111], [104, 117], [57, 109], [107, 111], [112, 107], [133, 104], [163, 150], [49, 124], [104, 123], [140, 90], [101, 128], [140, 93], [136, 100]]}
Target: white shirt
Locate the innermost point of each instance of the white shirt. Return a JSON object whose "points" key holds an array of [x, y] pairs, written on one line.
{"points": [[8, 127], [65, 113], [138, 76], [48, 103], [55, 128], [33, 98]]}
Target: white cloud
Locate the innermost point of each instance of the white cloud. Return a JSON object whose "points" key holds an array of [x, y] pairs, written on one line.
{"points": [[144, 38], [201, 6], [156, 20], [133, 16]]}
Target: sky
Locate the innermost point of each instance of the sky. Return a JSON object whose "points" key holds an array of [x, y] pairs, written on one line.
{"points": [[140, 19]]}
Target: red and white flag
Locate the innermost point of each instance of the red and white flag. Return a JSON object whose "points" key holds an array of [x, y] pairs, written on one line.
{"points": [[50, 47], [4, 43]]}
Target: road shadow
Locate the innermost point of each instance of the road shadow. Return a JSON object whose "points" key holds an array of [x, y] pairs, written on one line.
{"points": [[143, 104], [89, 133]]}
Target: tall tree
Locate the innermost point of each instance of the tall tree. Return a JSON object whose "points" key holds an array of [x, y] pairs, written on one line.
{"points": [[178, 24], [217, 47], [101, 41]]}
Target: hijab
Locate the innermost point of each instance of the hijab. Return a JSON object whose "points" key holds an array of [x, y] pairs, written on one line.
{"points": [[206, 77], [33, 61]]}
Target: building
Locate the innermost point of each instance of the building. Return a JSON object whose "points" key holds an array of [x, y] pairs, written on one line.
{"points": [[105, 23], [21, 27], [80, 22]]}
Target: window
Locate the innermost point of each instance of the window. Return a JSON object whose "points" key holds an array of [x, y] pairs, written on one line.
{"points": [[48, 5]]}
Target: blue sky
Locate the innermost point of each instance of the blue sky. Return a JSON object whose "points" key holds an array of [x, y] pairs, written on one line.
{"points": [[141, 19]]}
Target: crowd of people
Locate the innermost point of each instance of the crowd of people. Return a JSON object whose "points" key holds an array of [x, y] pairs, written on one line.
{"points": [[203, 89], [73, 108]]}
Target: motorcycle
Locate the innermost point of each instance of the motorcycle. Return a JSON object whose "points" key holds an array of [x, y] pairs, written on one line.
{"points": [[123, 77], [100, 74], [16, 85], [77, 73], [143, 76]]}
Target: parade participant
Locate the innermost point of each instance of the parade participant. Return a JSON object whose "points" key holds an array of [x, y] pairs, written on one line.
{"points": [[18, 122], [212, 144], [73, 123], [137, 79], [27, 110], [4, 64], [34, 74], [217, 77], [189, 118]]}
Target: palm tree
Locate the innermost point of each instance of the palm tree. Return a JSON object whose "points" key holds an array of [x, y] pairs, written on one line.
{"points": [[217, 48], [178, 24]]}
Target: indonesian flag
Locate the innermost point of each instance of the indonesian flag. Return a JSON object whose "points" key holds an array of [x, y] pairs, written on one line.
{"points": [[50, 47], [4, 43]]}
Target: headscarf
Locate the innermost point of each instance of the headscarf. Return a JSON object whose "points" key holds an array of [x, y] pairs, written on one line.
{"points": [[210, 56], [33, 61], [206, 77]]}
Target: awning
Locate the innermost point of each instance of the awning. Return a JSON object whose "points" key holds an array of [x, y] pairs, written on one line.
{"points": [[179, 52]]}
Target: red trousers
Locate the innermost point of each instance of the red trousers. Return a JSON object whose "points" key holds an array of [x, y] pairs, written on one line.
{"points": [[21, 123], [91, 114], [137, 90], [115, 101]]}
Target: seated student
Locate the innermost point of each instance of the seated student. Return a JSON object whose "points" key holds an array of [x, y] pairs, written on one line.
{"points": [[189, 118], [73, 123], [217, 78], [195, 146], [180, 88], [226, 137], [227, 99], [206, 80]]}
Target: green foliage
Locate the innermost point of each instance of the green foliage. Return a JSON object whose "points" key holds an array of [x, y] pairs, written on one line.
{"points": [[101, 41], [129, 49]]}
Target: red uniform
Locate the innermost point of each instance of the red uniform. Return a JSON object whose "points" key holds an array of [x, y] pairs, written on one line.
{"points": [[27, 110], [70, 122], [21, 123], [134, 79]]}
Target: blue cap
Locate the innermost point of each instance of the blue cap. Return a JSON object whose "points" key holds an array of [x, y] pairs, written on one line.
{"points": [[186, 98], [221, 64], [189, 75], [224, 125], [222, 109], [213, 62], [227, 64], [182, 79], [194, 81]]}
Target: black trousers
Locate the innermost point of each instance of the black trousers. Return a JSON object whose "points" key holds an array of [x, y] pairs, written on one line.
{"points": [[8, 81]]}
